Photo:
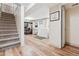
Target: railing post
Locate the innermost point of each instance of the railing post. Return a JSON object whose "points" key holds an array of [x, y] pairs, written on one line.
{"points": [[0, 9], [13, 8]]}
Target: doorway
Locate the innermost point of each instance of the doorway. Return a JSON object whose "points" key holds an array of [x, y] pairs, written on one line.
{"points": [[71, 25], [28, 27]]}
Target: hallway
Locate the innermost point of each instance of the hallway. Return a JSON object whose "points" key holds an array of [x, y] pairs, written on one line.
{"points": [[44, 47], [36, 47]]}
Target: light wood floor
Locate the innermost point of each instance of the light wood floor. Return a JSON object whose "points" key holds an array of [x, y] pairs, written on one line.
{"points": [[36, 47]]}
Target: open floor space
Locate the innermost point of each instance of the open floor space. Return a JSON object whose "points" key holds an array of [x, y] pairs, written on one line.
{"points": [[37, 47]]}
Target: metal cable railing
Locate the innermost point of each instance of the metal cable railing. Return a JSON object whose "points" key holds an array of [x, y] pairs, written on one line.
{"points": [[8, 7]]}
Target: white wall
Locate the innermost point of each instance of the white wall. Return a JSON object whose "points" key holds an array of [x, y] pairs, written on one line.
{"points": [[55, 28], [22, 26], [20, 23], [72, 28]]}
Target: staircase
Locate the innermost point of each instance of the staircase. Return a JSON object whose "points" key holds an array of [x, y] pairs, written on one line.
{"points": [[8, 31]]}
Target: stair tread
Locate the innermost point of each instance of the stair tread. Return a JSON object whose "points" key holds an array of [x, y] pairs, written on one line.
{"points": [[8, 34], [8, 30], [7, 23], [9, 43], [8, 26], [9, 38], [5, 13]]}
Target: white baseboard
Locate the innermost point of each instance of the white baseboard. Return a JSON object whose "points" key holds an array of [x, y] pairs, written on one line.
{"points": [[72, 44]]}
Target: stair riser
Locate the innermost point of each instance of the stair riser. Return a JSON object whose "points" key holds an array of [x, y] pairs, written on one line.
{"points": [[8, 25], [10, 46], [4, 19], [7, 18], [9, 43], [6, 32], [9, 39], [7, 14], [10, 22], [7, 28], [8, 36]]}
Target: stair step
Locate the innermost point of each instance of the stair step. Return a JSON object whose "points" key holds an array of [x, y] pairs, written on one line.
{"points": [[9, 43], [7, 27], [4, 19], [8, 22], [7, 16], [9, 19], [9, 34], [11, 46], [7, 30], [4, 13], [11, 38]]}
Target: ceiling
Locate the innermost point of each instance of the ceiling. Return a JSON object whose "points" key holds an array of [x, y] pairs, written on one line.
{"points": [[26, 4], [31, 7]]}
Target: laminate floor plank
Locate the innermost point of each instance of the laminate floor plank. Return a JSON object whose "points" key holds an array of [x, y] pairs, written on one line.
{"points": [[37, 47]]}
